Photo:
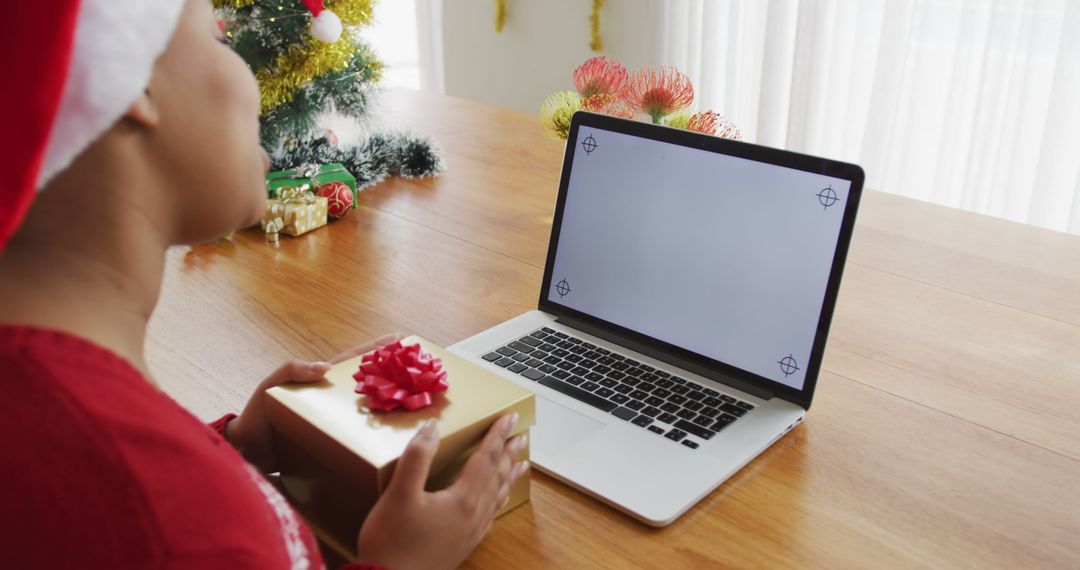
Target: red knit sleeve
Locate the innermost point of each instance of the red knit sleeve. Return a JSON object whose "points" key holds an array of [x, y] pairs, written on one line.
{"points": [[219, 424]]}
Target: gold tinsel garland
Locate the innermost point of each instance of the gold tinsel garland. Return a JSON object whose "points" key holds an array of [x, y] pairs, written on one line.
{"points": [[596, 39], [301, 64]]}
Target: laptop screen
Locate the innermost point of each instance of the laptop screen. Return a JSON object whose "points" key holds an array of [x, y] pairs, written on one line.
{"points": [[726, 257]]}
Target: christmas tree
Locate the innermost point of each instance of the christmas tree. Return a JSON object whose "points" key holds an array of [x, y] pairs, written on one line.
{"points": [[309, 59]]}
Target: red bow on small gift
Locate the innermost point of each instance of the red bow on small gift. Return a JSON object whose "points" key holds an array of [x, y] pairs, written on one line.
{"points": [[396, 376]]}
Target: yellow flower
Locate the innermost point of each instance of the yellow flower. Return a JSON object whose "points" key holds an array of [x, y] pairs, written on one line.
{"points": [[556, 111]]}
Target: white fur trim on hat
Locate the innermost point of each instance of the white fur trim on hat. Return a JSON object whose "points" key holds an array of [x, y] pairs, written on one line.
{"points": [[117, 43]]}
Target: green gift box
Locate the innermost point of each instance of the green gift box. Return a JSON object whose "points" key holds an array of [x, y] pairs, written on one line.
{"points": [[312, 175]]}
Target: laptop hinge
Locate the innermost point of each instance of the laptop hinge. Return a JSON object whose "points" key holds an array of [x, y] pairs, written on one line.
{"points": [[647, 350]]}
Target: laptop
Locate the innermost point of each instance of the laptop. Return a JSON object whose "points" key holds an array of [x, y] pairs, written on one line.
{"points": [[685, 304]]}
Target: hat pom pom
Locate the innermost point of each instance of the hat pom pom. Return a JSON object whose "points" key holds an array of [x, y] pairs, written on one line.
{"points": [[326, 27]]}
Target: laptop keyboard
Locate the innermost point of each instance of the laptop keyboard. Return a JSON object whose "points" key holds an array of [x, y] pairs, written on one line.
{"points": [[627, 389]]}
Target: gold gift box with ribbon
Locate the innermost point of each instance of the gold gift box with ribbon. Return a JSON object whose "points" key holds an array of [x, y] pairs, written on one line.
{"points": [[295, 211], [337, 456]]}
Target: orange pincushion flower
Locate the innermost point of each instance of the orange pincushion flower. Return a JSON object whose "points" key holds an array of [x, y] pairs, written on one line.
{"points": [[704, 122], [728, 130], [659, 91], [600, 76], [607, 104]]}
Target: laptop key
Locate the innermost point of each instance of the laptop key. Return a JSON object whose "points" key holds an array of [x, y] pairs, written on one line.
{"points": [[579, 350], [547, 368], [677, 399], [630, 381], [580, 371], [667, 418], [575, 358], [492, 356], [602, 369], [520, 357], [635, 372], [603, 351], [565, 365], [733, 410], [711, 401], [669, 407], [678, 380], [696, 395], [504, 361], [695, 406], [538, 335], [639, 395], [728, 399], [588, 345], [686, 414], [587, 363], [531, 341], [605, 360], [592, 354], [711, 412], [663, 374], [575, 380], [521, 347], [665, 383], [690, 443], [675, 435], [547, 347], [680, 389], [654, 401], [533, 374], [517, 367], [574, 340], [656, 429], [703, 421], [506, 351], [624, 413], [651, 411], [620, 366], [648, 376], [563, 336], [744, 405], [661, 392], [560, 352], [534, 363], [604, 392], [590, 386], [616, 375], [623, 389], [646, 367], [620, 398], [634, 404], [578, 393], [617, 356], [553, 359], [547, 330], [561, 374], [642, 421], [632, 362], [711, 392], [695, 429]]}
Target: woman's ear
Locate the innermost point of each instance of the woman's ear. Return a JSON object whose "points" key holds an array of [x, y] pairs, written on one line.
{"points": [[144, 111]]}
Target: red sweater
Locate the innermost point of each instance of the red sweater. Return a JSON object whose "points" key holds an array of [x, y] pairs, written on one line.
{"points": [[102, 470]]}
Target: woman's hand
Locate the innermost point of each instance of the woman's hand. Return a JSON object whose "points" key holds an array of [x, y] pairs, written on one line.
{"points": [[410, 528], [250, 432]]}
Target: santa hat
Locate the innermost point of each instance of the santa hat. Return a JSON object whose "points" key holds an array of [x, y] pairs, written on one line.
{"points": [[74, 68]]}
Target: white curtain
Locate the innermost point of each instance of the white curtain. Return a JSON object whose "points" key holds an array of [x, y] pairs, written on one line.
{"points": [[969, 103]]}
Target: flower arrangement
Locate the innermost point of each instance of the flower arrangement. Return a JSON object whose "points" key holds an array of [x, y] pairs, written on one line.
{"points": [[663, 93]]}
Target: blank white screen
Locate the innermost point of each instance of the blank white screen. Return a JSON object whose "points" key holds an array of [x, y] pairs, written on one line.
{"points": [[723, 256]]}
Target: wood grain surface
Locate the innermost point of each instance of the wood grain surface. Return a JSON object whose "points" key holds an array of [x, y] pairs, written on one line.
{"points": [[944, 428]]}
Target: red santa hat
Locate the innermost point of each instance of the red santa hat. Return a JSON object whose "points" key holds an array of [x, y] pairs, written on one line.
{"points": [[74, 67]]}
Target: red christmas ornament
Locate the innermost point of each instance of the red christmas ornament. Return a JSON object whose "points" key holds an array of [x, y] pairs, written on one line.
{"points": [[339, 198], [398, 376]]}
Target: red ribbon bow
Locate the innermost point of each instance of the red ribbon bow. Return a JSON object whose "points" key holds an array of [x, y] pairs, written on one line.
{"points": [[397, 376]]}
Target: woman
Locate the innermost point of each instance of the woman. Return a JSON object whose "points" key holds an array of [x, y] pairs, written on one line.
{"points": [[125, 121]]}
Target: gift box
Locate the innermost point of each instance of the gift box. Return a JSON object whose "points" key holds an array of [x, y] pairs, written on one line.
{"points": [[337, 455], [295, 211], [313, 176]]}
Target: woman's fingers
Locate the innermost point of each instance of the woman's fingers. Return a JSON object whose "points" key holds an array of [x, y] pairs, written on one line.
{"points": [[296, 371], [411, 472], [364, 348]]}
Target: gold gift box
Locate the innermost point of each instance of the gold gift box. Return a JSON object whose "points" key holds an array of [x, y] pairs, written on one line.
{"points": [[295, 211], [337, 458]]}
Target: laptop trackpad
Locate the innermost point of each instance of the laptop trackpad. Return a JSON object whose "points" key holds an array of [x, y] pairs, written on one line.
{"points": [[558, 427]]}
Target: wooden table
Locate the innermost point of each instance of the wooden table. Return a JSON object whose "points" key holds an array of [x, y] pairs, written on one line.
{"points": [[945, 427]]}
